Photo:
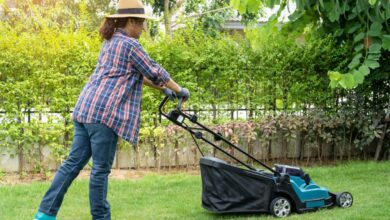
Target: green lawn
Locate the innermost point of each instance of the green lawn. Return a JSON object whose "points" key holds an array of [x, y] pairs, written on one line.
{"points": [[178, 196]]}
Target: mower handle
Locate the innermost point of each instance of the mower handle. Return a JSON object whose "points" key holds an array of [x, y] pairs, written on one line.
{"points": [[164, 102], [194, 120]]}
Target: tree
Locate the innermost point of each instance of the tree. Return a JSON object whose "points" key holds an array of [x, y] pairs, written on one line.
{"points": [[365, 23], [213, 15], [60, 13], [169, 8]]}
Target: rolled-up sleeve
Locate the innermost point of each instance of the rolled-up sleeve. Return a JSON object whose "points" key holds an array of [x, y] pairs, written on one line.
{"points": [[148, 67]]}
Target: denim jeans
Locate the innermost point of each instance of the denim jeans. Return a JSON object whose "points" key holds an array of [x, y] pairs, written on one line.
{"points": [[98, 141]]}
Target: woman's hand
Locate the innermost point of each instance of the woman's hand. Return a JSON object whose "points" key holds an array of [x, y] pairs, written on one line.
{"points": [[183, 94], [169, 93]]}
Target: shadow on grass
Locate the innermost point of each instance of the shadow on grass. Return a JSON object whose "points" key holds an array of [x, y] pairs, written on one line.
{"points": [[237, 215], [262, 214]]}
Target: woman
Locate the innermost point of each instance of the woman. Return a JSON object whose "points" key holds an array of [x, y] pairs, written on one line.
{"points": [[108, 107]]}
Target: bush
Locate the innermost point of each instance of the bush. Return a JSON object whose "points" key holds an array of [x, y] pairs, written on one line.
{"points": [[44, 64]]}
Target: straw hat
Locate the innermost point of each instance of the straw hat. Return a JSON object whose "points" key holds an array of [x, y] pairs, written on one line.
{"points": [[130, 8]]}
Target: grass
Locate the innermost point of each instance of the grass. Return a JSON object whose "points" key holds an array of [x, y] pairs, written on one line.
{"points": [[178, 196]]}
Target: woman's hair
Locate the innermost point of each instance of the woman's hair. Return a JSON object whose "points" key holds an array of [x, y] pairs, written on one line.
{"points": [[110, 25]]}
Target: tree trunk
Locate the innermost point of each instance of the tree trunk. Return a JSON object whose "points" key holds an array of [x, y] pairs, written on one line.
{"points": [[380, 142], [285, 100], [350, 145], [167, 18], [214, 112], [250, 113], [334, 152], [379, 147], [308, 156], [273, 94], [320, 143], [341, 150]]}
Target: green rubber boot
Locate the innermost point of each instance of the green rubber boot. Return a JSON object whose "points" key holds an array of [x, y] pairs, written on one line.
{"points": [[43, 216]]}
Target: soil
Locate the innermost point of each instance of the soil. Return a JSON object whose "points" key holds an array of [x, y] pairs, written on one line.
{"points": [[118, 174], [125, 174]]}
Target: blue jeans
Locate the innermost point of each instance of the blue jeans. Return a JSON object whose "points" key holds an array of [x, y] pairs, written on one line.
{"points": [[98, 141]]}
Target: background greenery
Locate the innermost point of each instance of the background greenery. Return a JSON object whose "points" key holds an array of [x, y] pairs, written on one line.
{"points": [[363, 23], [278, 76]]}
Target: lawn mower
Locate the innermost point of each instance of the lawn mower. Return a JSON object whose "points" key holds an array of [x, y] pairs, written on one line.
{"points": [[227, 188]]}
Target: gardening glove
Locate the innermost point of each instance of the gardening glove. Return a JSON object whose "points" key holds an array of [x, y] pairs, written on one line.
{"points": [[184, 94], [169, 93]]}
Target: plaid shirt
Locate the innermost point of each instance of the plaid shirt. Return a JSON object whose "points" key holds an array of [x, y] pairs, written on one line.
{"points": [[112, 95]]}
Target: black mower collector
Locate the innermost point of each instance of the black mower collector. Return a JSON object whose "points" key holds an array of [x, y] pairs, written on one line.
{"points": [[231, 189]]}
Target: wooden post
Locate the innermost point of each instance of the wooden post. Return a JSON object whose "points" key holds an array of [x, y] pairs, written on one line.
{"points": [[136, 157]]}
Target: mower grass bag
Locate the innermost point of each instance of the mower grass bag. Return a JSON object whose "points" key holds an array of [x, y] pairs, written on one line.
{"points": [[226, 188], [231, 189]]}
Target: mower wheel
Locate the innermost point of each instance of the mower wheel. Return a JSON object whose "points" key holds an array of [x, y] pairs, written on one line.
{"points": [[280, 207], [344, 200]]}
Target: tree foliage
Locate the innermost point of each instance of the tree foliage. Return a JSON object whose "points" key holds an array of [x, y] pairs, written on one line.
{"points": [[363, 23]]}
